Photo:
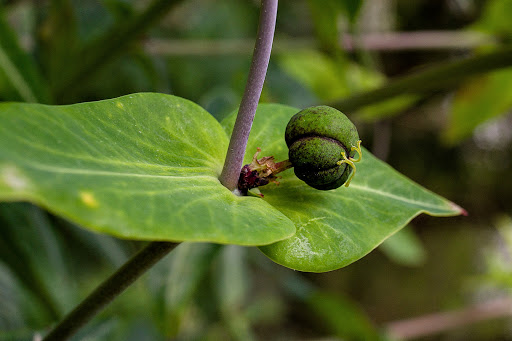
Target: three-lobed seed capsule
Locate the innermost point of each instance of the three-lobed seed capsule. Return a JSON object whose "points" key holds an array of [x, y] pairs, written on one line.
{"points": [[322, 142]]}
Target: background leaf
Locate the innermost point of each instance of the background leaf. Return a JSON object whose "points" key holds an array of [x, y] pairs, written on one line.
{"points": [[143, 166], [183, 273], [29, 248], [404, 248], [19, 76], [325, 15], [332, 78], [329, 78], [232, 287], [57, 40], [343, 317], [495, 18], [477, 101], [337, 227], [352, 9]]}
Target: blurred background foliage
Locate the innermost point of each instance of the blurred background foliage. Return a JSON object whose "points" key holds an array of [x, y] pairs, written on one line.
{"points": [[455, 141]]}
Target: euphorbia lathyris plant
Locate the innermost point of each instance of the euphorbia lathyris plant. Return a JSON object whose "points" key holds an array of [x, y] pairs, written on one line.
{"points": [[147, 167]]}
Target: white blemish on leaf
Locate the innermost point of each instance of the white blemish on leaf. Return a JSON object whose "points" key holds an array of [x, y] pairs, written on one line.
{"points": [[13, 178], [88, 199], [301, 249]]}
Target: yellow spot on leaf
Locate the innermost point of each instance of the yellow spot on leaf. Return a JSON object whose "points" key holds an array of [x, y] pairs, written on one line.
{"points": [[88, 199], [119, 105]]}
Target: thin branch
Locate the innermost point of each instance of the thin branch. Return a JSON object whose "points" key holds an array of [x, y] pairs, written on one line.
{"points": [[432, 79], [436, 323], [261, 56], [391, 41], [110, 289], [419, 40], [218, 47]]}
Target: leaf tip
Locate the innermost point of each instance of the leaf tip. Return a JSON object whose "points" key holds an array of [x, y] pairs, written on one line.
{"points": [[459, 209]]}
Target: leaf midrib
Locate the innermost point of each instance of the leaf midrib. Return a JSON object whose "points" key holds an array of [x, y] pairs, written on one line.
{"points": [[85, 171], [354, 186], [396, 197]]}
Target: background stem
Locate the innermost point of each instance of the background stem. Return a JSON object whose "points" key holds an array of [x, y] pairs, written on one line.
{"points": [[432, 79], [110, 289], [439, 322], [389, 41], [261, 56]]}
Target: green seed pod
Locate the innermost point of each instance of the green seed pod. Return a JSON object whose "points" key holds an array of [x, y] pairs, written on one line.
{"points": [[322, 142]]}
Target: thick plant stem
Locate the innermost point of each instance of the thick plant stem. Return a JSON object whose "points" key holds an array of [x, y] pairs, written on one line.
{"points": [[110, 289], [261, 56], [432, 79], [111, 44]]}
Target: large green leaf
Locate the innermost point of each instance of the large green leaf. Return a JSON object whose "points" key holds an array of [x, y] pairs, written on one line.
{"points": [[337, 227], [143, 166]]}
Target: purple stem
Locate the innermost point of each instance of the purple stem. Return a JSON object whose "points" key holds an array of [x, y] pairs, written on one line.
{"points": [[262, 48]]}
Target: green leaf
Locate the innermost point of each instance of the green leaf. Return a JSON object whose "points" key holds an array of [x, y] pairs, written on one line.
{"points": [[59, 42], [352, 8], [320, 73], [325, 15], [477, 101], [404, 248], [337, 227], [31, 250], [388, 108], [11, 314], [19, 77], [333, 78], [342, 316], [495, 18], [185, 270], [231, 289], [142, 166]]}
